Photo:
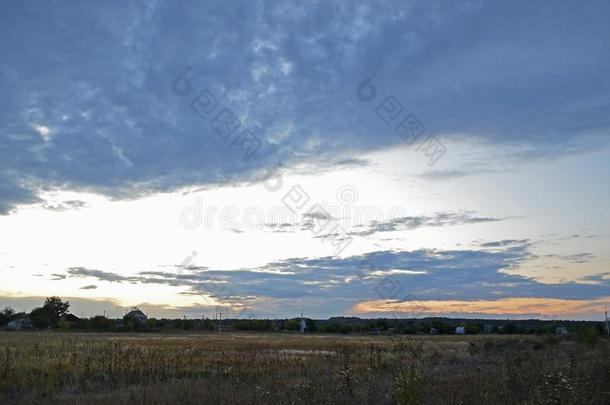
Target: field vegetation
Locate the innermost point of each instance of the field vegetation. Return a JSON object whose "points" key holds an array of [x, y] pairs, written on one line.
{"points": [[289, 368]]}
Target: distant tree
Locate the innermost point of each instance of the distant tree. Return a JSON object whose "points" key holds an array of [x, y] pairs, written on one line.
{"points": [[6, 315], [473, 328], [40, 318], [588, 335], [311, 326], [442, 327], [381, 324], [331, 327], [100, 322], [422, 328], [510, 328], [291, 324], [253, 324], [50, 313], [56, 307], [130, 324]]}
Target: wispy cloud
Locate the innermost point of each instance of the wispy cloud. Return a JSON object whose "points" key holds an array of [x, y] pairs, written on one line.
{"points": [[414, 222], [98, 274], [65, 205], [504, 243]]}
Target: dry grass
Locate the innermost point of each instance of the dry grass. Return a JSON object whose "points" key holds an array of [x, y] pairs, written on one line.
{"points": [[284, 368]]}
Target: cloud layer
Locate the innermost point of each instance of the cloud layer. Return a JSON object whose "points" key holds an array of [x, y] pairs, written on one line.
{"points": [[88, 102], [390, 276]]}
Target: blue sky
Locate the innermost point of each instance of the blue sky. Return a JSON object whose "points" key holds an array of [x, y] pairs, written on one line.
{"points": [[263, 157]]}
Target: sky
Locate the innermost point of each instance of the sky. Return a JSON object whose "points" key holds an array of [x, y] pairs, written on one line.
{"points": [[259, 159]]}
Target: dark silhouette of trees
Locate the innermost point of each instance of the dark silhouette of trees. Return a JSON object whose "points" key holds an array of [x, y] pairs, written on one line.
{"points": [[6, 315], [50, 313]]}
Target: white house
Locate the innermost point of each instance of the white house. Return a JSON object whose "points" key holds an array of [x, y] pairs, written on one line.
{"points": [[460, 330], [562, 330], [20, 324], [137, 316]]}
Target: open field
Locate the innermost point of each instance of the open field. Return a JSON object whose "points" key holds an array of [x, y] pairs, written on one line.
{"points": [[240, 368]]}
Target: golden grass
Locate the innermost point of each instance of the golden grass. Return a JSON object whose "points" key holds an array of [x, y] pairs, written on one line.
{"points": [[52, 367]]}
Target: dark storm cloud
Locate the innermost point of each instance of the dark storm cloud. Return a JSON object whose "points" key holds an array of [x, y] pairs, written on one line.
{"points": [[424, 274], [87, 102]]}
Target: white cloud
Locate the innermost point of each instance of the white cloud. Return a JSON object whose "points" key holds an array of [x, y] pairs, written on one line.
{"points": [[44, 132]]}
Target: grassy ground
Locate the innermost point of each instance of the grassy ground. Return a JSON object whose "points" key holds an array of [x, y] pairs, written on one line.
{"points": [[76, 368]]}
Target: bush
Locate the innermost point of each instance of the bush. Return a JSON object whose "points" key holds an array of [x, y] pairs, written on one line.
{"points": [[588, 336]]}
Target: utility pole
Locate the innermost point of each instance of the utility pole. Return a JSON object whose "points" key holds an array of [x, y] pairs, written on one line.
{"points": [[607, 326], [302, 324], [220, 323]]}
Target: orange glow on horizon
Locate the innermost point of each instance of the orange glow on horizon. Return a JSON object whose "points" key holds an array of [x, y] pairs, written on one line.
{"points": [[505, 306]]}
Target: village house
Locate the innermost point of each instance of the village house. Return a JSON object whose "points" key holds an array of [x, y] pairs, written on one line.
{"points": [[70, 319], [138, 317], [20, 324], [561, 330]]}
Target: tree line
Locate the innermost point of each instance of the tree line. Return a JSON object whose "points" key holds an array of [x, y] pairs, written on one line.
{"points": [[52, 315]]}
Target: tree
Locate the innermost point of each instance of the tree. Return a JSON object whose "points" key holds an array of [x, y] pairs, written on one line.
{"points": [[56, 307], [442, 327], [291, 324], [310, 325], [50, 313], [40, 318], [473, 328], [6, 315], [588, 335]]}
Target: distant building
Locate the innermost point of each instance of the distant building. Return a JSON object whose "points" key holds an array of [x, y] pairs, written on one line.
{"points": [[70, 319], [460, 330], [137, 316], [433, 331], [562, 330], [20, 324]]}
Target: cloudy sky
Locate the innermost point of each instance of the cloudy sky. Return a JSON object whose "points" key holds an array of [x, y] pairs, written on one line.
{"points": [[256, 158]]}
